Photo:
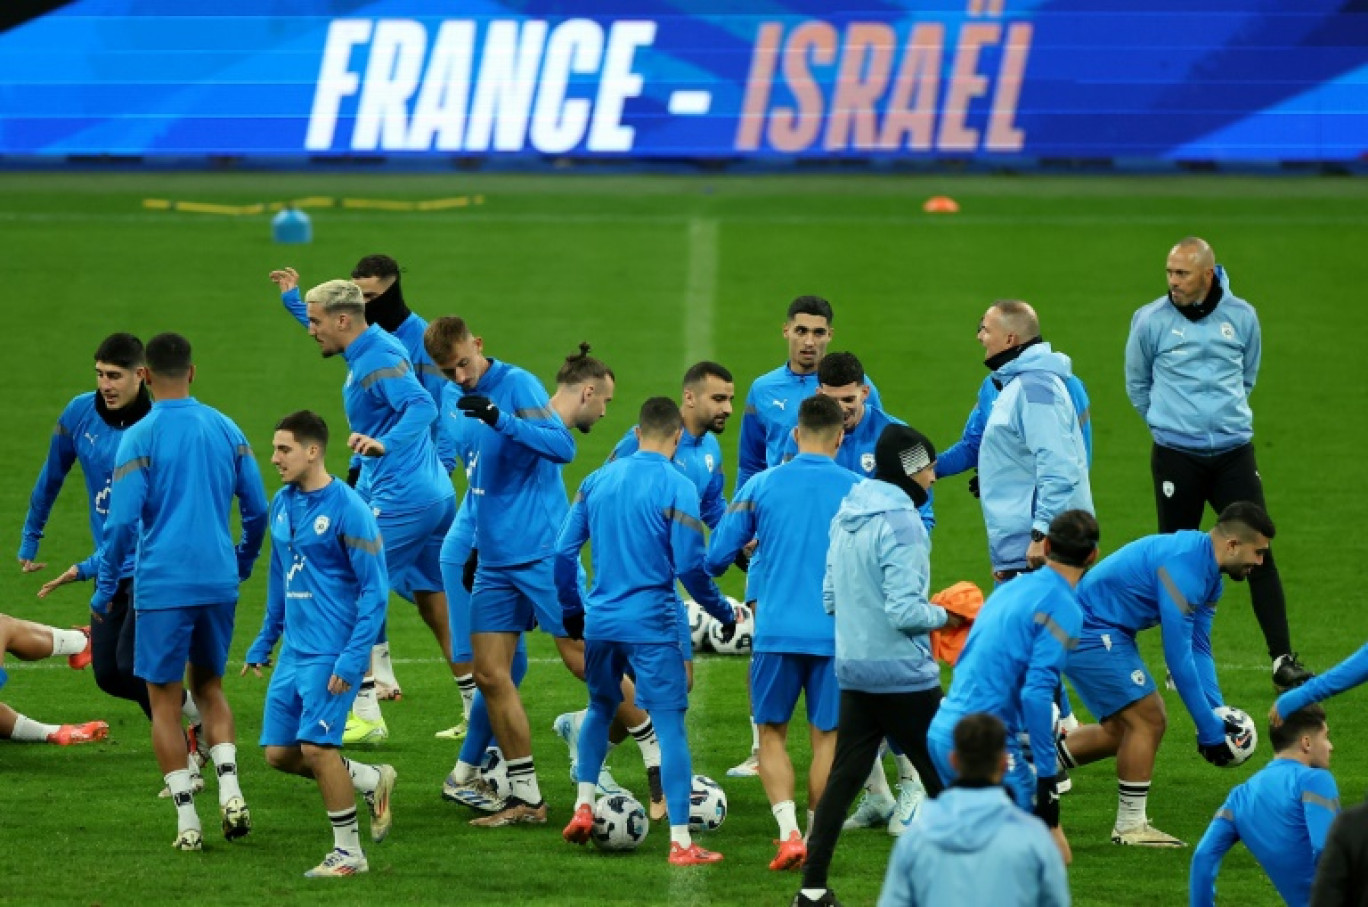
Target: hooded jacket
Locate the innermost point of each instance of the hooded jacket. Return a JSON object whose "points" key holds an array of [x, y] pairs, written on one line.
{"points": [[1033, 462], [973, 845], [1190, 380], [878, 576]]}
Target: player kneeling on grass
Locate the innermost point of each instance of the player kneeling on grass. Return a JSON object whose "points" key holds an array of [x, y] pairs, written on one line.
{"points": [[1283, 813], [1172, 581], [28, 641], [642, 514], [971, 845], [327, 593]]}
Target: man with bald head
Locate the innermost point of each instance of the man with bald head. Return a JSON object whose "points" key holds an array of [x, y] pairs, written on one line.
{"points": [[1191, 362], [1033, 459]]}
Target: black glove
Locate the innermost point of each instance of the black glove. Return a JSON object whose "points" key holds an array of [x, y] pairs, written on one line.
{"points": [[1218, 754], [468, 571], [574, 624], [353, 475], [1047, 800], [973, 484], [742, 560], [479, 407], [728, 627]]}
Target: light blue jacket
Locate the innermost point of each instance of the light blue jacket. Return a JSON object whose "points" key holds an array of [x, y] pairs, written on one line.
{"points": [[973, 845], [1033, 462], [877, 583], [963, 455], [1190, 380]]}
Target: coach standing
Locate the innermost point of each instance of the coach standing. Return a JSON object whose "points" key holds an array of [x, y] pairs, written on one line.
{"points": [[1191, 360]]}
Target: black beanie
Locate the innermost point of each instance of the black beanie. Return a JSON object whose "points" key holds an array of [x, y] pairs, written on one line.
{"points": [[900, 453]]}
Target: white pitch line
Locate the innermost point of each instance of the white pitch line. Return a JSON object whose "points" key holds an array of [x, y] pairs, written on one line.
{"points": [[700, 290]]}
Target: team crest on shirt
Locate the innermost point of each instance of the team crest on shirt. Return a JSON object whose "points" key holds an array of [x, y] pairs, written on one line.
{"points": [[1138, 678], [708, 461], [321, 525], [867, 462], [1168, 489], [1227, 330]]}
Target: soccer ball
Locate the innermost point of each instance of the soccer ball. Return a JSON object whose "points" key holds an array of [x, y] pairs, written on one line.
{"points": [[1243, 743], [619, 823], [707, 804], [494, 771], [740, 644], [700, 622]]}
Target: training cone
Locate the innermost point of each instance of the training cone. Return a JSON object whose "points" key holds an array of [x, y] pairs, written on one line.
{"points": [[291, 226], [940, 204]]}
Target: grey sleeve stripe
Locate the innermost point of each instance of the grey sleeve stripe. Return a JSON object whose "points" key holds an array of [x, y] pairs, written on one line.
{"points": [[60, 429], [734, 506], [428, 368], [1048, 622], [536, 412], [370, 546], [132, 466], [1174, 592], [680, 516], [244, 450], [1084, 417], [1313, 797], [380, 374], [1226, 814]]}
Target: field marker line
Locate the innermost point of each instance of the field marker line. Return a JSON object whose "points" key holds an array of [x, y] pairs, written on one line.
{"points": [[700, 290]]}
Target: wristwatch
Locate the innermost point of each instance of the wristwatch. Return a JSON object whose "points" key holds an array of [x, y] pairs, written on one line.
{"points": [[1037, 535]]}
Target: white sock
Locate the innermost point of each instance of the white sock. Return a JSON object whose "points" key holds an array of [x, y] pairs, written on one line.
{"points": [[367, 707], [755, 737], [464, 772], [381, 665], [68, 642], [586, 790], [810, 816], [224, 757], [365, 778], [645, 737], [877, 784], [184, 798], [26, 730], [466, 684], [189, 711], [813, 894], [346, 834], [679, 834], [784, 814], [1131, 799], [522, 781], [907, 771]]}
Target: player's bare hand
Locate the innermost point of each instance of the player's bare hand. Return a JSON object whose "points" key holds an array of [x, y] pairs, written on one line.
{"points": [[364, 445], [1274, 718], [255, 669], [1035, 554], [31, 566], [954, 621], [69, 575], [286, 279], [1062, 843], [337, 686]]}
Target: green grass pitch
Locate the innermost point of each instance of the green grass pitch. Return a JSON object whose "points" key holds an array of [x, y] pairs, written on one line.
{"points": [[657, 272]]}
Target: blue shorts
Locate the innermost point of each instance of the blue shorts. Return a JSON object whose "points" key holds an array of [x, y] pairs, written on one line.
{"points": [[776, 680], [299, 708], [657, 668], [1107, 672], [413, 547], [1020, 777], [166, 638], [509, 599], [4, 678]]}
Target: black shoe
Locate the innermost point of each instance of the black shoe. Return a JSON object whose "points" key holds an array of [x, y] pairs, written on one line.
{"points": [[828, 899], [1288, 672]]}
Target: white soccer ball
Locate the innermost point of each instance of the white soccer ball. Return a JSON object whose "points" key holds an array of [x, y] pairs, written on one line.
{"points": [[700, 622], [619, 823], [494, 771], [1243, 743], [707, 804], [739, 644]]}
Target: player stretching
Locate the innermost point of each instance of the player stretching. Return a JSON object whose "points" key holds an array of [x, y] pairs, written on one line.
{"points": [[28, 641], [177, 472], [1172, 581], [327, 593], [643, 517], [789, 509]]}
